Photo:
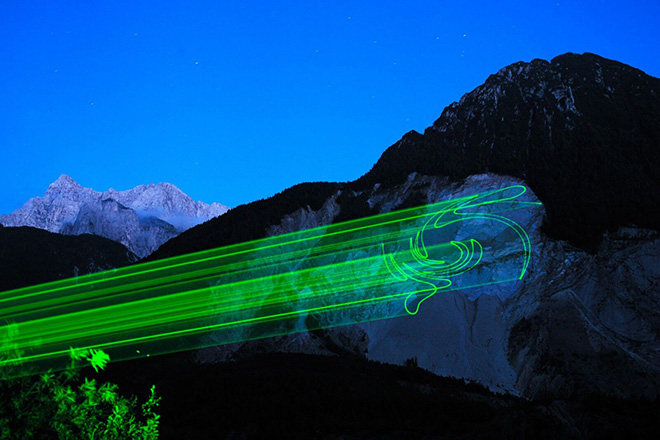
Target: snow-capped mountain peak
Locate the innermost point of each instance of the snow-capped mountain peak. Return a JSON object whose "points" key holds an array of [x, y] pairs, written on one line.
{"points": [[142, 219], [64, 182], [67, 189]]}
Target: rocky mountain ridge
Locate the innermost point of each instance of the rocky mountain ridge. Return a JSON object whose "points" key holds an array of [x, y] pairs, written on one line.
{"points": [[583, 134], [141, 218], [578, 323], [583, 131]]}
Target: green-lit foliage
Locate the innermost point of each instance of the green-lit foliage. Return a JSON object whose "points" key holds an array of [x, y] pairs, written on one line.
{"points": [[67, 406]]}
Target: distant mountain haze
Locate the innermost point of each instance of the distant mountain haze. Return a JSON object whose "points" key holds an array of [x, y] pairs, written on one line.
{"points": [[141, 218]]}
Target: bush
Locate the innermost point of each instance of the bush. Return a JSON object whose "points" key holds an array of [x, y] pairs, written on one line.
{"points": [[66, 406]]}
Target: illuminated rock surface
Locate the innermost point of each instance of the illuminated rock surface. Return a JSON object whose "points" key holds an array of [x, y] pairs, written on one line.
{"points": [[581, 132]]}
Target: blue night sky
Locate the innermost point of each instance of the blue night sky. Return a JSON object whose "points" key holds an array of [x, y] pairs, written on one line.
{"points": [[233, 101]]}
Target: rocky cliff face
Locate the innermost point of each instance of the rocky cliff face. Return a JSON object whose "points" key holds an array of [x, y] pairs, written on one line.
{"points": [[585, 323], [581, 130], [582, 133], [141, 218], [577, 323]]}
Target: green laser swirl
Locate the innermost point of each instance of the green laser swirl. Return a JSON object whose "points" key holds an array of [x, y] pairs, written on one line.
{"points": [[470, 255], [376, 267]]}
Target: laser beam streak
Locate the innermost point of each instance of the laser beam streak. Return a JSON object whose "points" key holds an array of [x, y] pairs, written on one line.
{"points": [[377, 267]]}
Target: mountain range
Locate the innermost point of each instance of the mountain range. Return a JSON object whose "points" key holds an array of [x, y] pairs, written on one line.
{"points": [[574, 346], [141, 218], [583, 133]]}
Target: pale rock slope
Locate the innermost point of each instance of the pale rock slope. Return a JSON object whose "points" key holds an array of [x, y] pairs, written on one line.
{"points": [[581, 132], [576, 322]]}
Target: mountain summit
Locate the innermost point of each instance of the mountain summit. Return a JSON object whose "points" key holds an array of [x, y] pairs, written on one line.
{"points": [[583, 131], [63, 182], [583, 134], [141, 218]]}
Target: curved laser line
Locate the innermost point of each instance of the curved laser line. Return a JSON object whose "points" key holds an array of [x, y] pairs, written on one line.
{"points": [[437, 273], [371, 268]]}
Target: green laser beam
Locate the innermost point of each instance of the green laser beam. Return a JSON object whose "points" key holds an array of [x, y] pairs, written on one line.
{"points": [[372, 268]]}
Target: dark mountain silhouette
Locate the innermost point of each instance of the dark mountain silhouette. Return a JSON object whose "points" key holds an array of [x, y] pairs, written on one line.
{"points": [[581, 130], [32, 256], [583, 133], [248, 222]]}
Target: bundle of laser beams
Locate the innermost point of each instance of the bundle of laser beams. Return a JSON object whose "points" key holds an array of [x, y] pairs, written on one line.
{"points": [[371, 268]]}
